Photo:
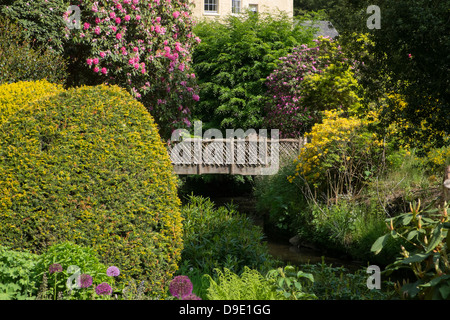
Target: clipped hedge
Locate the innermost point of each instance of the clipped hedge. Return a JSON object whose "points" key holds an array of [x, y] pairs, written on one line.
{"points": [[16, 96], [87, 165]]}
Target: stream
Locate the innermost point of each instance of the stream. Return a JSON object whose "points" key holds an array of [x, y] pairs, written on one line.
{"points": [[282, 249]]}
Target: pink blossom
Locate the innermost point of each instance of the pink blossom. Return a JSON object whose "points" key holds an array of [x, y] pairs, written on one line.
{"points": [[89, 61], [119, 36], [195, 97], [95, 60], [138, 17], [127, 17], [97, 30], [176, 14], [104, 71], [112, 15], [96, 69], [102, 54], [118, 20], [86, 26]]}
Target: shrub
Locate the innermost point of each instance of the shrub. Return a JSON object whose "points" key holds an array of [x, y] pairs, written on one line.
{"points": [[425, 235], [220, 238], [17, 96], [342, 155], [39, 20], [145, 47], [233, 61], [307, 81], [290, 282], [88, 166], [19, 61], [250, 285], [280, 201], [17, 274]]}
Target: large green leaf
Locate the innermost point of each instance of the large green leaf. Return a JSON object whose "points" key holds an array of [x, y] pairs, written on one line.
{"points": [[379, 243], [416, 258]]}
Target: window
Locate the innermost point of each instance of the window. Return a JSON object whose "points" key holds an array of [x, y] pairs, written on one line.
{"points": [[210, 5], [235, 6]]}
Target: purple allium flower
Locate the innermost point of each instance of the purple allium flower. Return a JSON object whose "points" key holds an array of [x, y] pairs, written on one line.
{"points": [[103, 289], [113, 271], [84, 281], [56, 267], [191, 297], [180, 286]]}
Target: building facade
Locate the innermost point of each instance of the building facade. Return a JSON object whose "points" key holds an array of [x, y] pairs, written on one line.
{"points": [[210, 9]]}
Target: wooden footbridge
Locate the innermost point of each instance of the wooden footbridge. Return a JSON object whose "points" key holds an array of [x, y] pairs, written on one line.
{"points": [[249, 156]]}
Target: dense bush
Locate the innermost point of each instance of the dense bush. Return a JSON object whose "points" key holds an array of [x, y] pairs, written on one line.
{"points": [[88, 166], [280, 201], [17, 274], [145, 47], [20, 61], [307, 81], [342, 155], [424, 232], [233, 61], [17, 96], [220, 238], [249, 285]]}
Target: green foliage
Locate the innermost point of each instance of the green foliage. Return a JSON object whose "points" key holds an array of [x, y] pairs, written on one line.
{"points": [[17, 96], [412, 47], [69, 254], [220, 238], [40, 20], [290, 282], [233, 61], [339, 283], [17, 274], [250, 285], [426, 233], [279, 200], [20, 61], [88, 166]]}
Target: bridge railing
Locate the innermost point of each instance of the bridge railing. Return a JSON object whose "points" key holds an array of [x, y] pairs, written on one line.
{"points": [[250, 156]]}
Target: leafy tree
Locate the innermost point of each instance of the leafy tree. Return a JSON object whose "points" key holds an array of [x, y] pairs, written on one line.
{"points": [[233, 61]]}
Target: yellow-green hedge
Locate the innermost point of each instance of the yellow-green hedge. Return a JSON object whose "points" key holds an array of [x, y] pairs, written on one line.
{"points": [[16, 96], [88, 165]]}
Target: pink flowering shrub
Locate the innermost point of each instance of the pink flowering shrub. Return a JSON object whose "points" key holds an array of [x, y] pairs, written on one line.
{"points": [[306, 82], [144, 46]]}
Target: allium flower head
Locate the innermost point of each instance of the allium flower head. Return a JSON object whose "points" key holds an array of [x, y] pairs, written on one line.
{"points": [[191, 297], [56, 267], [113, 271], [84, 281], [103, 289], [180, 286]]}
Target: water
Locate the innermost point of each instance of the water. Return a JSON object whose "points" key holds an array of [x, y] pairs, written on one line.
{"points": [[283, 250]]}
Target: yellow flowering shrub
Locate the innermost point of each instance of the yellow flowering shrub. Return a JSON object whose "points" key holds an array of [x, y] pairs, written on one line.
{"points": [[16, 96], [340, 154], [423, 134], [88, 166]]}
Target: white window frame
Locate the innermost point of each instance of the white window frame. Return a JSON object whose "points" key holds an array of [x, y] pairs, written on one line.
{"points": [[210, 4], [236, 6], [252, 7]]}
